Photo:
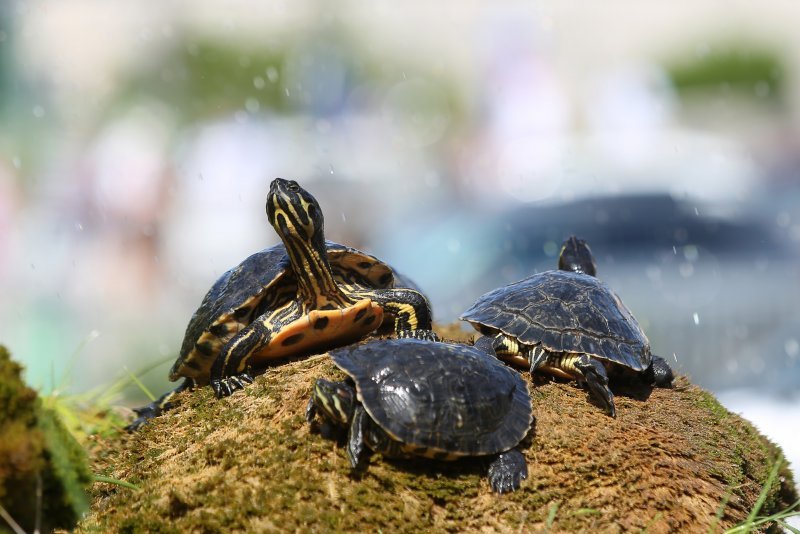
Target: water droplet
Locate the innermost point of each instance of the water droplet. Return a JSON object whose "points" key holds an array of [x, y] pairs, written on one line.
{"points": [[38, 111], [792, 347], [272, 74], [696, 318], [259, 82], [690, 252], [344, 217], [79, 227], [675, 357], [252, 105], [331, 168], [674, 250], [686, 269], [17, 162], [550, 248], [286, 90], [783, 219]]}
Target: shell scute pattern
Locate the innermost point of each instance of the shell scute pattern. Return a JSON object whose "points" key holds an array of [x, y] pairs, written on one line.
{"points": [[262, 281], [565, 312], [439, 397]]}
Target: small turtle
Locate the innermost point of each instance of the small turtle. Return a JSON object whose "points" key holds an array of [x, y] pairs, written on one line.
{"points": [[298, 297], [411, 397], [567, 323]]}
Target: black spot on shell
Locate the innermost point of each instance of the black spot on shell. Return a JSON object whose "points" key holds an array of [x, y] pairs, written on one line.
{"points": [[369, 320], [321, 323], [359, 315], [219, 330], [365, 264], [291, 340], [204, 348]]}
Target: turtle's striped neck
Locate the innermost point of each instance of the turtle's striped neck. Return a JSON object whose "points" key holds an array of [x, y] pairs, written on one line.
{"points": [[297, 218]]}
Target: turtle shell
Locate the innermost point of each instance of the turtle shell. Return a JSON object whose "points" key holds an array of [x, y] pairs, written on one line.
{"points": [[262, 281], [439, 397], [564, 312]]}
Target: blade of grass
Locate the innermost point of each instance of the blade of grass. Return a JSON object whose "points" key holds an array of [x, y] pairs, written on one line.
{"points": [[116, 482], [753, 520], [139, 383], [765, 490], [551, 516], [10, 521]]}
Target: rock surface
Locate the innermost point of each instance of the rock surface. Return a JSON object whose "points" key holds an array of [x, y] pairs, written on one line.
{"points": [[673, 460]]}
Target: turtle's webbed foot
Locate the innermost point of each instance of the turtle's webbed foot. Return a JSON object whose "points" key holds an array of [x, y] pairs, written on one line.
{"points": [[594, 374], [659, 373], [145, 413], [155, 408], [507, 471], [225, 387], [424, 335]]}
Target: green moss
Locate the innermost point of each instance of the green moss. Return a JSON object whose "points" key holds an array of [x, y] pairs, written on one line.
{"points": [[36, 451], [251, 463]]}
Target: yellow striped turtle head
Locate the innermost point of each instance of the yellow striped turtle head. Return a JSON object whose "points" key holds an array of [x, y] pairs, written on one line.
{"points": [[576, 256], [295, 213], [336, 401]]}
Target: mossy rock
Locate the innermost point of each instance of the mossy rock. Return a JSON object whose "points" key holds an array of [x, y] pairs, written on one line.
{"points": [[37, 454], [673, 460]]}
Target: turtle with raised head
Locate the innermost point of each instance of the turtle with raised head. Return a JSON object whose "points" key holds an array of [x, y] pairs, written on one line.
{"points": [[302, 296], [568, 323], [407, 398]]}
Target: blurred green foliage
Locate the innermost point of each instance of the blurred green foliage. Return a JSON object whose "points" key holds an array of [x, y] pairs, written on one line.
{"points": [[749, 70]]}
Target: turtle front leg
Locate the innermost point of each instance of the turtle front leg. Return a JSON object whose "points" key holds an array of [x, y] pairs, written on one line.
{"points": [[230, 370], [507, 471], [157, 407], [594, 374], [357, 451], [410, 309]]}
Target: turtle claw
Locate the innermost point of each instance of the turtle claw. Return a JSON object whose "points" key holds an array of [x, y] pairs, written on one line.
{"points": [[227, 386], [311, 410], [507, 471], [423, 335]]}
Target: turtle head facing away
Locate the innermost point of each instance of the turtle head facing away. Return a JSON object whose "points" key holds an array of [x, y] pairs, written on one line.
{"points": [[336, 401], [576, 256], [295, 214]]}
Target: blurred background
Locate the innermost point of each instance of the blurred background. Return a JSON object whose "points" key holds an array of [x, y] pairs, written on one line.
{"points": [[461, 142]]}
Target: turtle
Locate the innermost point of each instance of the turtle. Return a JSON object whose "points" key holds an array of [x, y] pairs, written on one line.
{"points": [[411, 397], [570, 324], [301, 296]]}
